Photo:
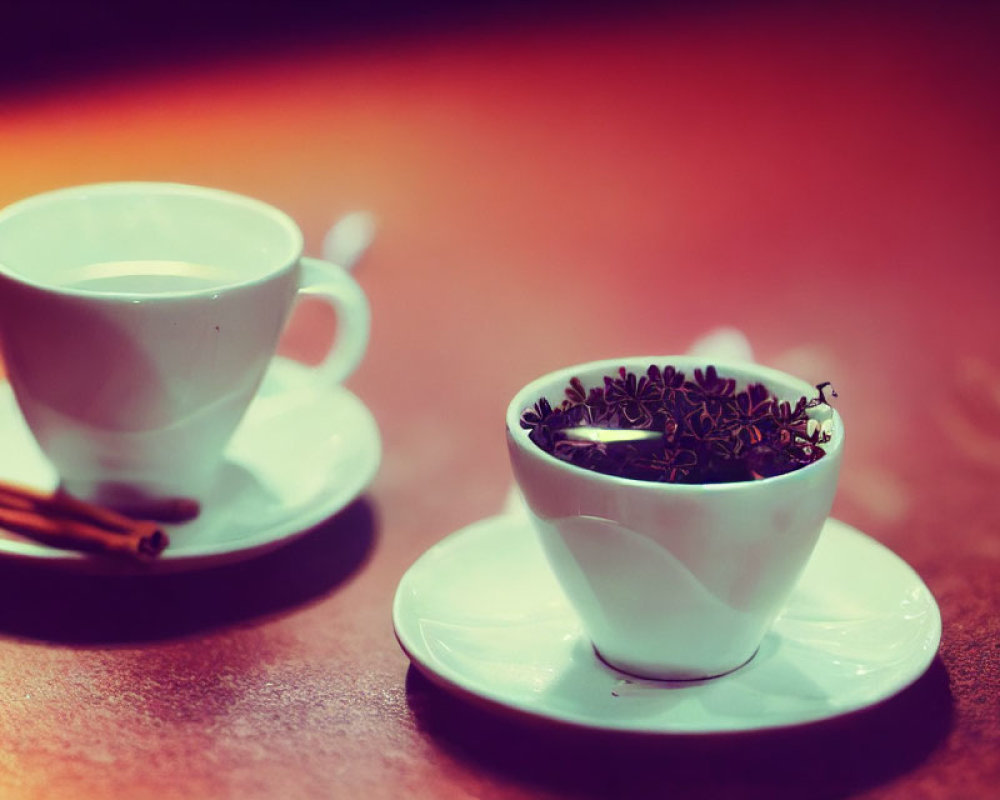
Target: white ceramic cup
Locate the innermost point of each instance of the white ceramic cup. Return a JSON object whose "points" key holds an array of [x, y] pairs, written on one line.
{"points": [[673, 581], [137, 321]]}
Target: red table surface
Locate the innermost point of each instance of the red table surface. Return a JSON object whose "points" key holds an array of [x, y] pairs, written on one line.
{"points": [[823, 178]]}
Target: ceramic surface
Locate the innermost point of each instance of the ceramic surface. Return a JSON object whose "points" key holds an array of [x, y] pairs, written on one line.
{"points": [[481, 614], [133, 388], [300, 455], [674, 580]]}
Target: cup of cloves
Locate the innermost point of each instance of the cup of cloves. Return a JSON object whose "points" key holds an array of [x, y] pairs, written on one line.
{"points": [[677, 501]]}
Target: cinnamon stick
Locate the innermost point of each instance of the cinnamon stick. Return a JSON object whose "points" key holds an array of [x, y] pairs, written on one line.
{"points": [[167, 509], [62, 520]]}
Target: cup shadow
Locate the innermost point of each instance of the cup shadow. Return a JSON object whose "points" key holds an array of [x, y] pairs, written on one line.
{"points": [[51, 604], [830, 759]]}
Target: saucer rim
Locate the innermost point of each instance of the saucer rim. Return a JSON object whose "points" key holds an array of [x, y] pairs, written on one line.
{"points": [[194, 555], [493, 700]]}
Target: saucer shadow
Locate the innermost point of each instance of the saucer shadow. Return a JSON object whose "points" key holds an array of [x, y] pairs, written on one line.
{"points": [[830, 759], [51, 604]]}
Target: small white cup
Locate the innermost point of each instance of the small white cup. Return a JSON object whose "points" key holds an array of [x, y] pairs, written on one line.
{"points": [[137, 321], [673, 581]]}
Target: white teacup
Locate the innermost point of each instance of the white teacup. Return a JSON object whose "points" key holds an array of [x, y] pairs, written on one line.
{"points": [[137, 321], [670, 580]]}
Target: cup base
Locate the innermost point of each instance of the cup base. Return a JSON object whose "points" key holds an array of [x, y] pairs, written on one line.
{"points": [[669, 674]]}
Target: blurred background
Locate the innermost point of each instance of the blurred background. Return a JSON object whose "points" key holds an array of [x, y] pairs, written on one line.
{"points": [[56, 37]]}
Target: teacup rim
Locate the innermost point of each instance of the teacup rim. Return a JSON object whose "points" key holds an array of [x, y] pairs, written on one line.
{"points": [[294, 254], [607, 366]]}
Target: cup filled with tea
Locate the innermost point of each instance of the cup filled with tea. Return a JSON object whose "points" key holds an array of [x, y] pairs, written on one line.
{"points": [[137, 320], [677, 501]]}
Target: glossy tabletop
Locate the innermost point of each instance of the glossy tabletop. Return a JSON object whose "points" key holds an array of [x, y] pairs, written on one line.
{"points": [[549, 188]]}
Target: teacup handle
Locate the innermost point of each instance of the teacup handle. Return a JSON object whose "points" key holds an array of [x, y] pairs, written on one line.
{"points": [[332, 283]]}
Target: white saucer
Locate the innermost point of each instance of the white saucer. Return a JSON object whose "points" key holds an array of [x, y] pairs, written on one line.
{"points": [[299, 456], [481, 614]]}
